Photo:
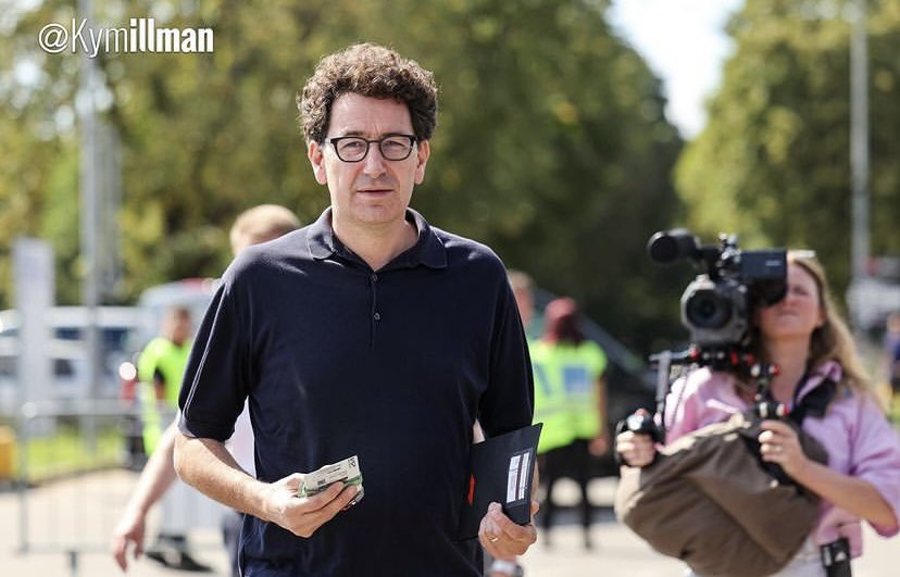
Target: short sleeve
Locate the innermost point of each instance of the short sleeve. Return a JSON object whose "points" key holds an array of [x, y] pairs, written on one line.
{"points": [[508, 403], [216, 380]]}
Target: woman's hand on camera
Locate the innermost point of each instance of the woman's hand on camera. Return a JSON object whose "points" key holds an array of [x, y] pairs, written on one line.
{"points": [[779, 444], [635, 449]]}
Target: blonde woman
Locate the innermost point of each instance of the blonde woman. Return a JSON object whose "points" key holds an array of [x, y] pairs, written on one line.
{"points": [[804, 336]]}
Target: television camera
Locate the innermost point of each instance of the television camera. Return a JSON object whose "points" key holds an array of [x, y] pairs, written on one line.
{"points": [[717, 309]]}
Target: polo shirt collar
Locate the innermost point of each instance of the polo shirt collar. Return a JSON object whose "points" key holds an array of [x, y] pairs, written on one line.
{"points": [[429, 250], [829, 370]]}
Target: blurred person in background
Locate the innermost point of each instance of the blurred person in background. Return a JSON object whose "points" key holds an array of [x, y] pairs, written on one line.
{"points": [[819, 376], [892, 351], [523, 289], [570, 399], [253, 226], [160, 367]]}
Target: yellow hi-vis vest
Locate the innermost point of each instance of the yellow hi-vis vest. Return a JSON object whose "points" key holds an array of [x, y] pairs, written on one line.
{"points": [[169, 360], [565, 391]]}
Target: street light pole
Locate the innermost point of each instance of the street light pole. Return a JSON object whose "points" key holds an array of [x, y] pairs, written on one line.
{"points": [[859, 154], [89, 226]]}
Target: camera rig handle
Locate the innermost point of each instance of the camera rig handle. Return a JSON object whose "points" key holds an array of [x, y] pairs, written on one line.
{"points": [[729, 358], [654, 425]]}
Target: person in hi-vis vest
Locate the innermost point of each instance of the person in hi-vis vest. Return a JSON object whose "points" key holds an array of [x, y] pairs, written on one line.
{"points": [[160, 369], [570, 399]]}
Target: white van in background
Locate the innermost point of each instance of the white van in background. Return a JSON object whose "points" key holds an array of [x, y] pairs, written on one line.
{"points": [[67, 351], [193, 293]]}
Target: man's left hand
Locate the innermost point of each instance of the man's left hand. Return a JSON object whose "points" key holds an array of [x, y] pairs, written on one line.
{"points": [[502, 537]]}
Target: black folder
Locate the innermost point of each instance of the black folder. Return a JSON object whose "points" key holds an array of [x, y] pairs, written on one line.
{"points": [[501, 469]]}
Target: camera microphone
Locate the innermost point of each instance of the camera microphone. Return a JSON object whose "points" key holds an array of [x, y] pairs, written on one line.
{"points": [[717, 306], [672, 245]]}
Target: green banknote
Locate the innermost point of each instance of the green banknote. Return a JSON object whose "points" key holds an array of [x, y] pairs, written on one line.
{"points": [[346, 472]]}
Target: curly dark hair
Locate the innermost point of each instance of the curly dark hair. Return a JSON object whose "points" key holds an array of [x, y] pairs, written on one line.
{"points": [[373, 71]]}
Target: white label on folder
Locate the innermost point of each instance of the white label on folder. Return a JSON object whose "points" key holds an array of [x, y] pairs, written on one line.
{"points": [[512, 482], [517, 481], [523, 476]]}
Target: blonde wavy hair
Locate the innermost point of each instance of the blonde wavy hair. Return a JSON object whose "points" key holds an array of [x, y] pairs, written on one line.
{"points": [[833, 340]]}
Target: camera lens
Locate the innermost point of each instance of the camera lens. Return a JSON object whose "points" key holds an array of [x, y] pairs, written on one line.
{"points": [[707, 309]]}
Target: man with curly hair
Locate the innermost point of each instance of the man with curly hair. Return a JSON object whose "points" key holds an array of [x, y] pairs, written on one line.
{"points": [[368, 333]]}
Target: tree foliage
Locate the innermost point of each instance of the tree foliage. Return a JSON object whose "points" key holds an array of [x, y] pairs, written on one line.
{"points": [[552, 145], [773, 162]]}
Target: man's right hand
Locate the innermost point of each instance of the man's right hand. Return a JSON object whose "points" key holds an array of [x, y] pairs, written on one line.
{"points": [[302, 516]]}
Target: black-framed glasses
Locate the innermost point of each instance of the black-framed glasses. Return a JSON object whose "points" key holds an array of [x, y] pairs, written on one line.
{"points": [[355, 148]]}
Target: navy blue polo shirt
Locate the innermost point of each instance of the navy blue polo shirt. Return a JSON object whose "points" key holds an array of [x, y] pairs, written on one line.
{"points": [[392, 365]]}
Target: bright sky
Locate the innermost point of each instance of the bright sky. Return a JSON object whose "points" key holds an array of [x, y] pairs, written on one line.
{"points": [[684, 43]]}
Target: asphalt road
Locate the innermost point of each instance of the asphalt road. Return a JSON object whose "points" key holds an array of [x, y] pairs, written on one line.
{"points": [[79, 514]]}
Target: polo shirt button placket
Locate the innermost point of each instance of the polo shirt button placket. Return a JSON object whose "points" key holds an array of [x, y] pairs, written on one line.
{"points": [[374, 279], [376, 316]]}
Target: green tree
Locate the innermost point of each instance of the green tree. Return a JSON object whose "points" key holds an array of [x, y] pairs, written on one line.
{"points": [[552, 144], [773, 162], [554, 149]]}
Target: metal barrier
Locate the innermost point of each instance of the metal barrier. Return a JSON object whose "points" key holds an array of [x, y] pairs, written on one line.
{"points": [[75, 475]]}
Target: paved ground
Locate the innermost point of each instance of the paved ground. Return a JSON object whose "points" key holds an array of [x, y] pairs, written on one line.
{"points": [[81, 512]]}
